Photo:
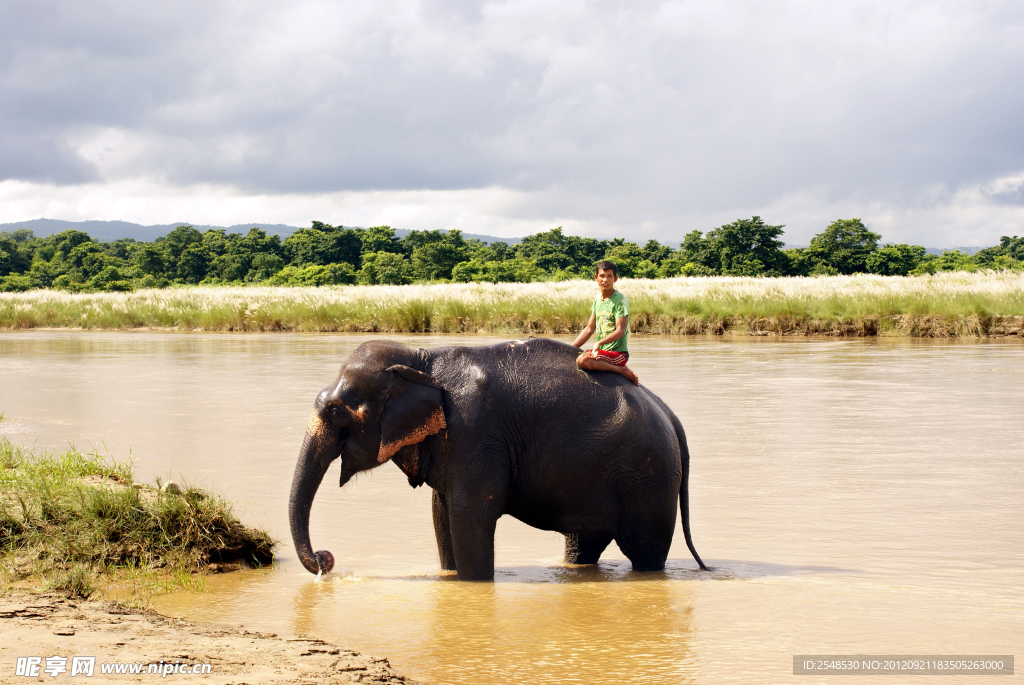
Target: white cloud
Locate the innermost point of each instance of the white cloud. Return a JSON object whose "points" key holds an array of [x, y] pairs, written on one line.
{"points": [[646, 118], [971, 215], [484, 210]]}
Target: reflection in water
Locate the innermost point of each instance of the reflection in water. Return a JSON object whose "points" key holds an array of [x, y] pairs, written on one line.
{"points": [[586, 631], [305, 600], [851, 497], [587, 625]]}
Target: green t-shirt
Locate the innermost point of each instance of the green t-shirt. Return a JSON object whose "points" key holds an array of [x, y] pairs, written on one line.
{"points": [[605, 313]]}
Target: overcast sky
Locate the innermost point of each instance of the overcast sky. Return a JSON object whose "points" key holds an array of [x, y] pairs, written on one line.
{"points": [[635, 119]]}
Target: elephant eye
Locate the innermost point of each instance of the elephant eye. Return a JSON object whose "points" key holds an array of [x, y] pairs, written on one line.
{"points": [[336, 414]]}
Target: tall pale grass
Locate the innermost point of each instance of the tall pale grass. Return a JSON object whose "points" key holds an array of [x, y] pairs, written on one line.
{"points": [[946, 304]]}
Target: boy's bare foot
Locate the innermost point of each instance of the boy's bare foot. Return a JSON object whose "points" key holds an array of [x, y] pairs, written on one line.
{"points": [[628, 373], [589, 363]]}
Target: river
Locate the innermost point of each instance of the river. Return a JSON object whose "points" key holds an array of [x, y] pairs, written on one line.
{"points": [[853, 497]]}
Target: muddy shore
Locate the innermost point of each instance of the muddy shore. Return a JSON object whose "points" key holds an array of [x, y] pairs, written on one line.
{"points": [[47, 625]]}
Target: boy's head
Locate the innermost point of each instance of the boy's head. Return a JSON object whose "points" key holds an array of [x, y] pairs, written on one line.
{"points": [[606, 273]]}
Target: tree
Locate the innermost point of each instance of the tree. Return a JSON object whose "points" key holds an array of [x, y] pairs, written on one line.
{"points": [[264, 265], [700, 251], [645, 268], [18, 248], [229, 268], [19, 236], [256, 241], [748, 247], [150, 260], [217, 241], [436, 259], [175, 242], [655, 252], [1008, 253], [380, 239], [122, 248], [16, 283], [550, 250], [955, 260], [192, 263], [8, 255], [497, 251], [109, 279], [467, 272], [323, 244], [894, 260], [517, 270], [626, 257], [554, 251], [239, 260], [415, 239], [314, 275], [85, 261], [387, 268], [308, 246], [845, 246], [1010, 247]]}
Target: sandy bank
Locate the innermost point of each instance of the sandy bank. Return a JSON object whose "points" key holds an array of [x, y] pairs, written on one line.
{"points": [[52, 625]]}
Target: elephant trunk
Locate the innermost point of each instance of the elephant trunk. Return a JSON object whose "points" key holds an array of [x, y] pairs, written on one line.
{"points": [[309, 472]]}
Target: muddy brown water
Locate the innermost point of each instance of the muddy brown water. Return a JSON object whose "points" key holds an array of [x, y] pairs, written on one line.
{"points": [[854, 497]]}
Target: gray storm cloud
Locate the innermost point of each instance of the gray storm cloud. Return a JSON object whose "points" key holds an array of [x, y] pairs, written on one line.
{"points": [[624, 113]]}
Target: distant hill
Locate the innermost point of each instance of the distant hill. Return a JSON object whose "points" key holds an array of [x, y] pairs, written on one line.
{"points": [[106, 231]]}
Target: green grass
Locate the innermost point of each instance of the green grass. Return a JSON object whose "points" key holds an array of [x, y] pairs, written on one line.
{"points": [[73, 521], [945, 304]]}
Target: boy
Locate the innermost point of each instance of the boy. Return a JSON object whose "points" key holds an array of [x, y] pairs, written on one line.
{"points": [[610, 316]]}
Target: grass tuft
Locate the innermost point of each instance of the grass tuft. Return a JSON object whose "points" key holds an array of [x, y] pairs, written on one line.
{"points": [[71, 519], [77, 581]]}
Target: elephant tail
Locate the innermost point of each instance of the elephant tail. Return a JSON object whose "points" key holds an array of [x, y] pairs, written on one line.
{"points": [[684, 490]]}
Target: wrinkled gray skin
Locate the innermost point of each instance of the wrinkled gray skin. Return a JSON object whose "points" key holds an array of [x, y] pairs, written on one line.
{"points": [[513, 428]]}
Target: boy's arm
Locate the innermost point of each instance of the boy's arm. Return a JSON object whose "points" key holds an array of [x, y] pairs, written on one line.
{"points": [[586, 332], [620, 330]]}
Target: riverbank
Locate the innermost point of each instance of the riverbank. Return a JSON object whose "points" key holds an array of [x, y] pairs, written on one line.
{"points": [[75, 527], [946, 305], [47, 625], [76, 523]]}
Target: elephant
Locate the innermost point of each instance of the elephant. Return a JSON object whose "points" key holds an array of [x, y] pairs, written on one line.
{"points": [[513, 428]]}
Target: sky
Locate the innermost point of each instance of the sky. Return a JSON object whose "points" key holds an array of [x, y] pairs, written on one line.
{"points": [[630, 119]]}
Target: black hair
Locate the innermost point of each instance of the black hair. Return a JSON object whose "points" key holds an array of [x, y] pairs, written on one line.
{"points": [[607, 266]]}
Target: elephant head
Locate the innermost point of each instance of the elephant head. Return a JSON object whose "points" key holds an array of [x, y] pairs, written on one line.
{"points": [[374, 409]]}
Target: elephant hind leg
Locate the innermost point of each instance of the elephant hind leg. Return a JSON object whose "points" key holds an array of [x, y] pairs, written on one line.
{"points": [[646, 539], [644, 553], [585, 548], [443, 531]]}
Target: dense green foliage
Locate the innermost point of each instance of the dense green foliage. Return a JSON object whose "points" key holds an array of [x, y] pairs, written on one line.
{"points": [[336, 255]]}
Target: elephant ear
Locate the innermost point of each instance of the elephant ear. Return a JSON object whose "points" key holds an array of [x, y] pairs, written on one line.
{"points": [[413, 411]]}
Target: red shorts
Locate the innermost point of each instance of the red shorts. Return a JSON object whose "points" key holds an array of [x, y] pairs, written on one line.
{"points": [[616, 358]]}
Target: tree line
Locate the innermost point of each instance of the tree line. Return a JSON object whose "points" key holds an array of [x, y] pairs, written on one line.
{"points": [[335, 255]]}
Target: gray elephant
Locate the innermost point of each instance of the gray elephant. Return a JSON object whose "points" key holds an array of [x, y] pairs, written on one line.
{"points": [[513, 428]]}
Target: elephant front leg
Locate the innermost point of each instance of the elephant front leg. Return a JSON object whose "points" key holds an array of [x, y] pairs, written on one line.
{"points": [[473, 545], [473, 520], [443, 531]]}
